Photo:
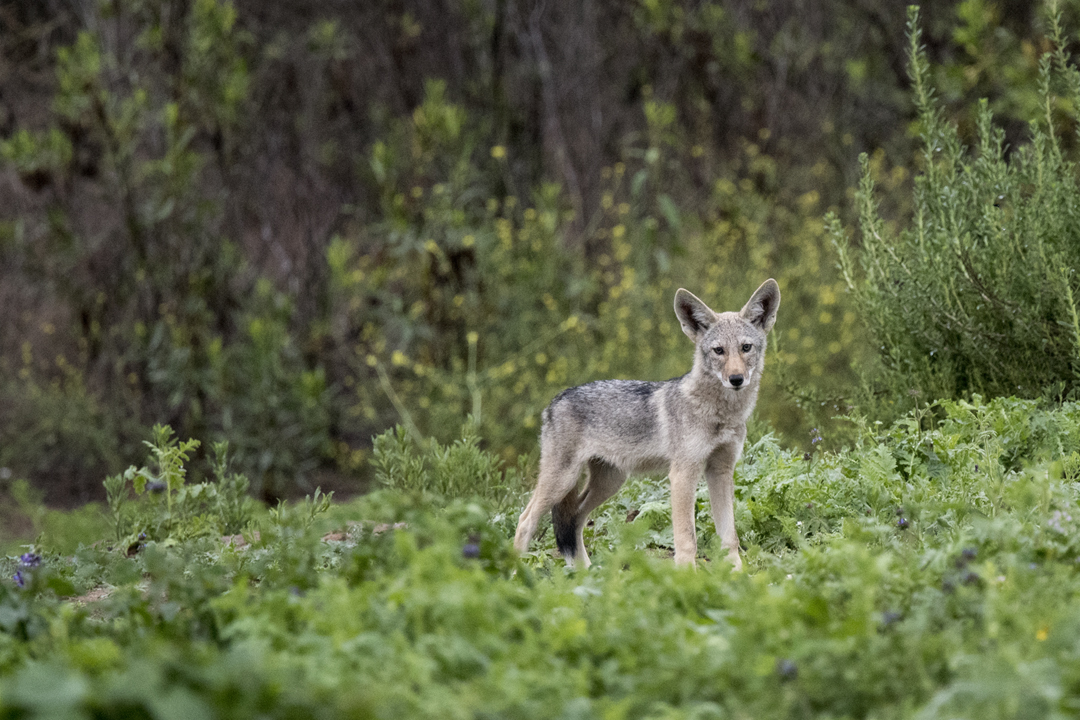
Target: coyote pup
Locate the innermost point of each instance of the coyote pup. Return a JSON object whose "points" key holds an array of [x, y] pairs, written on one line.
{"points": [[693, 425]]}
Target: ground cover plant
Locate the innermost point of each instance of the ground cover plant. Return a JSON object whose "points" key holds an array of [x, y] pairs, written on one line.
{"points": [[929, 571]]}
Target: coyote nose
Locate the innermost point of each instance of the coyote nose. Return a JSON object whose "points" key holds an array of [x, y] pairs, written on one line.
{"points": [[736, 380]]}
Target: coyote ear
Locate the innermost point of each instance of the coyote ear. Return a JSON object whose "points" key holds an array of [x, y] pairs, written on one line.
{"points": [[761, 308], [694, 315]]}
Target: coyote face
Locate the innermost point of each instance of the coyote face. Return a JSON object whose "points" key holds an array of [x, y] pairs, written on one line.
{"points": [[694, 425], [731, 346]]}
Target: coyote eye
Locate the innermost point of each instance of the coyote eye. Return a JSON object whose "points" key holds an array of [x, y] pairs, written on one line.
{"points": [[718, 350], [746, 347]]}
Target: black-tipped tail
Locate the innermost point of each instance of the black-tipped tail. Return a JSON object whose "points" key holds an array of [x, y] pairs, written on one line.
{"points": [[565, 530]]}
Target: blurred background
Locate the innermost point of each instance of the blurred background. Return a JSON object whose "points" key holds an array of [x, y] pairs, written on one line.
{"points": [[293, 224]]}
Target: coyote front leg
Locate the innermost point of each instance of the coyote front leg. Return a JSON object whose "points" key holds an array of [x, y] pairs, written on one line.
{"points": [[684, 479], [720, 476]]}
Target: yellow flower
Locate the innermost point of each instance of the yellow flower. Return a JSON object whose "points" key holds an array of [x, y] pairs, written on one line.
{"points": [[1042, 634], [498, 152]]}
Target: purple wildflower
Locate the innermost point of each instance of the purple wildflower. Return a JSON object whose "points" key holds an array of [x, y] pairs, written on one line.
{"points": [[19, 579], [1059, 522], [29, 560], [787, 669]]}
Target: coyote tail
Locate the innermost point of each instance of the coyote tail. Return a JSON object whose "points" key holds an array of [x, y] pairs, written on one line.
{"points": [[564, 521]]}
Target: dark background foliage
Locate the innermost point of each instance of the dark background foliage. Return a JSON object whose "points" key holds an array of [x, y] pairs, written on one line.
{"points": [[293, 224]]}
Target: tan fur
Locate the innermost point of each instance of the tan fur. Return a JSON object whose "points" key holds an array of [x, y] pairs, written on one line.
{"points": [[694, 425]]}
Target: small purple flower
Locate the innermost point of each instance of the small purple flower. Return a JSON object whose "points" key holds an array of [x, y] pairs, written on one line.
{"points": [[1060, 522], [19, 579], [966, 555], [902, 523], [471, 551], [787, 669], [156, 486], [29, 560]]}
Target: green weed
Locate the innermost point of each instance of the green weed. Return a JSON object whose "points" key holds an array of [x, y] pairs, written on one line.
{"points": [[166, 507], [929, 571]]}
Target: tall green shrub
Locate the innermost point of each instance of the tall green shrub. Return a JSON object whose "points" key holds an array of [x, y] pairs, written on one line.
{"points": [[978, 291], [159, 316]]}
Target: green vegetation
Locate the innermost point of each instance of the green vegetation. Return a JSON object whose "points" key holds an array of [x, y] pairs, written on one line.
{"points": [[979, 293], [371, 243], [293, 230], [926, 572]]}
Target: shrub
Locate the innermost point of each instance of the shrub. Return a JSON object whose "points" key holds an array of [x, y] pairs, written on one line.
{"points": [[476, 304], [978, 291], [461, 469], [166, 506], [157, 317]]}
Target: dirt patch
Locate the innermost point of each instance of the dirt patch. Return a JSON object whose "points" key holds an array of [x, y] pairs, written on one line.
{"points": [[99, 593]]}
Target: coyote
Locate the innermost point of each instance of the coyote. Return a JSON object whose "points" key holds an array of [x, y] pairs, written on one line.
{"points": [[692, 425]]}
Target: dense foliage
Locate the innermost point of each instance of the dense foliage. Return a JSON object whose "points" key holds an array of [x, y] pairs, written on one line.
{"points": [[293, 226], [979, 292], [927, 572]]}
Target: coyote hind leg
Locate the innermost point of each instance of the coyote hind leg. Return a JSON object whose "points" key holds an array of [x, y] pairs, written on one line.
{"points": [[556, 481], [603, 482]]}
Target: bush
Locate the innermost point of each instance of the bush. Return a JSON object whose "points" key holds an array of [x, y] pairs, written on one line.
{"points": [[468, 303], [978, 292], [157, 316], [169, 508], [459, 470]]}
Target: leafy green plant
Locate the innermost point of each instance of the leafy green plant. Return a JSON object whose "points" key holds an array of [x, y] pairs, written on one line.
{"points": [[488, 309], [303, 514], [927, 571], [978, 292], [461, 469], [232, 492], [166, 506]]}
